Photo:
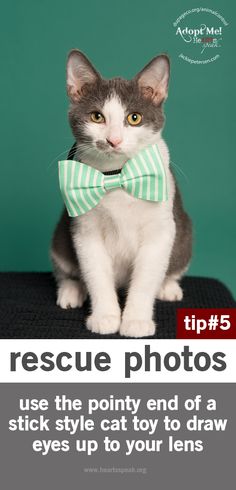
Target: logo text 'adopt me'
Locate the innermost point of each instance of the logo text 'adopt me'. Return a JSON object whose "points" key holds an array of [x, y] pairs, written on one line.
{"points": [[201, 33], [202, 36]]}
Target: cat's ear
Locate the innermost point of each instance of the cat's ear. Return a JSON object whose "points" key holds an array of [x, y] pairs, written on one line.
{"points": [[153, 79], [80, 74]]}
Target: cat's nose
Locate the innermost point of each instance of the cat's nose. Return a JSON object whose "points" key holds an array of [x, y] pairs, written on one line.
{"points": [[114, 142]]}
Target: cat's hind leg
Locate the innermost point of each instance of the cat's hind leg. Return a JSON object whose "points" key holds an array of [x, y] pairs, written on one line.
{"points": [[71, 293], [170, 289], [71, 290]]}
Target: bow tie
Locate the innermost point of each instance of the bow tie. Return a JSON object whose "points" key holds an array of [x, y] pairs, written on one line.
{"points": [[83, 187]]}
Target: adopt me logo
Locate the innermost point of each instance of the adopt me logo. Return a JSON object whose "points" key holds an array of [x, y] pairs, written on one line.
{"points": [[200, 33]]}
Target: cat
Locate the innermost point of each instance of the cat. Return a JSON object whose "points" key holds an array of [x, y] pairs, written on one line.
{"points": [[124, 241]]}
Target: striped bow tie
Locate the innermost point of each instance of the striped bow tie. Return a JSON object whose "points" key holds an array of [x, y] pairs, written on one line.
{"points": [[83, 187]]}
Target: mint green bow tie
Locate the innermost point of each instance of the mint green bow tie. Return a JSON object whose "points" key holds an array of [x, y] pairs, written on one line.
{"points": [[83, 187]]}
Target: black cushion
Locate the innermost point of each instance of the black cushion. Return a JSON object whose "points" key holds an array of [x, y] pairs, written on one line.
{"points": [[28, 307]]}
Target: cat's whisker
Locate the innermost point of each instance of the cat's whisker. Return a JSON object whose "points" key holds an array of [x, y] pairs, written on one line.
{"points": [[67, 150], [181, 172], [85, 149], [57, 157]]}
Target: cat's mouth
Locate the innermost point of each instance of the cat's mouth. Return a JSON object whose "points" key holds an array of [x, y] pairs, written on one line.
{"points": [[116, 151], [108, 149]]}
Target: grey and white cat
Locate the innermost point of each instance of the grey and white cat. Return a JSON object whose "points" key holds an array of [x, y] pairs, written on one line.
{"points": [[123, 242]]}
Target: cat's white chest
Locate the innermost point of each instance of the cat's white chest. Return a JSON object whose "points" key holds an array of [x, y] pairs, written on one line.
{"points": [[126, 224]]}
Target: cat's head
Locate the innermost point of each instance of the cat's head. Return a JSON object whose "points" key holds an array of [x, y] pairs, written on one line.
{"points": [[113, 119]]}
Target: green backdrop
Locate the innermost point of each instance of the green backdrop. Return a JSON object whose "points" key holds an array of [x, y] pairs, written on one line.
{"points": [[119, 37]]}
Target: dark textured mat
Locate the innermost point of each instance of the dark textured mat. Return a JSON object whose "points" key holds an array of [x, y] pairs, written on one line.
{"points": [[28, 307]]}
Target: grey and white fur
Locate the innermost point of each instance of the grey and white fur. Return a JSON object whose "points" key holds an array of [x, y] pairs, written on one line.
{"points": [[123, 242]]}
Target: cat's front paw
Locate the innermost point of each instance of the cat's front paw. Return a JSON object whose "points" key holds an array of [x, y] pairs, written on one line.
{"points": [[71, 294], [103, 324], [137, 328]]}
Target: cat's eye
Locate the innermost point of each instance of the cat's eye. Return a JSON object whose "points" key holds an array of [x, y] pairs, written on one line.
{"points": [[97, 117], [134, 118]]}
